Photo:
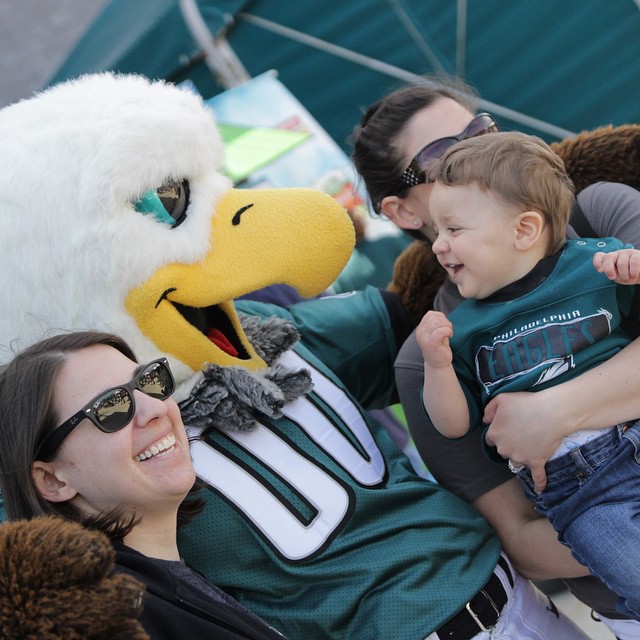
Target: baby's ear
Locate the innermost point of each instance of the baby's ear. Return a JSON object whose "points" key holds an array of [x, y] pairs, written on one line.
{"points": [[528, 230]]}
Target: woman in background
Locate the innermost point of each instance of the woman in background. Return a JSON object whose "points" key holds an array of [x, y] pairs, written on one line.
{"points": [[394, 142]]}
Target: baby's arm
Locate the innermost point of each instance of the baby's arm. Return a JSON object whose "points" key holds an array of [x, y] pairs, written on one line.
{"points": [[443, 396], [621, 266]]}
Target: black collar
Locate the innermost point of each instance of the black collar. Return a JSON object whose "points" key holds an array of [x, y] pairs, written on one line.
{"points": [[527, 283]]}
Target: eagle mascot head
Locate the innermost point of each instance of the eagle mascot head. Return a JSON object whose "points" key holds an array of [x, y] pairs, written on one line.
{"points": [[115, 216]]}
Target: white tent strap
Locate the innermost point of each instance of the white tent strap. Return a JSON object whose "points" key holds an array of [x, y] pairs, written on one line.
{"points": [[396, 72]]}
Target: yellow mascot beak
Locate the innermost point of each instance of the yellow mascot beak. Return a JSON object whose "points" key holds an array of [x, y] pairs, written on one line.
{"points": [[298, 237]]}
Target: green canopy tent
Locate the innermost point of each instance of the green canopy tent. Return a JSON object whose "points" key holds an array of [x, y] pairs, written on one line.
{"points": [[546, 67]]}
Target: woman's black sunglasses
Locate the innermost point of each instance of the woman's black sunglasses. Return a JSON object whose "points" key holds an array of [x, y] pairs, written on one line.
{"points": [[415, 173], [114, 408]]}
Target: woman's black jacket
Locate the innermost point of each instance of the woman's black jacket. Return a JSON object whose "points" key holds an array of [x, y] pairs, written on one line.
{"points": [[174, 609]]}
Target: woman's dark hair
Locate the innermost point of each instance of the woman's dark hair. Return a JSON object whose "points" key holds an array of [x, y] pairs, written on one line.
{"points": [[28, 416], [375, 155]]}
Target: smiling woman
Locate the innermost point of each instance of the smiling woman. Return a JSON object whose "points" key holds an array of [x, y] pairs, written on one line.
{"points": [[91, 436]]}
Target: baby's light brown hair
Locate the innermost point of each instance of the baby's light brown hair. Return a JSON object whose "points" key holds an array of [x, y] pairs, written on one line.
{"points": [[520, 169]]}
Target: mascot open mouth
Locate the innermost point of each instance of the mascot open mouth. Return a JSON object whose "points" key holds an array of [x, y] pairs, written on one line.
{"points": [[196, 327], [214, 323]]}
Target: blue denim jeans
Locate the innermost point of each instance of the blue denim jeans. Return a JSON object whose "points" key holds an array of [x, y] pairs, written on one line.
{"points": [[593, 501]]}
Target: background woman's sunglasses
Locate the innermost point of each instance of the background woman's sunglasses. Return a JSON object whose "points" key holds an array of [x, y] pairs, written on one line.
{"points": [[114, 408], [415, 173]]}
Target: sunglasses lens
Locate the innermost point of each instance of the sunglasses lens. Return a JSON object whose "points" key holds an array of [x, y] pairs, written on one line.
{"points": [[479, 126], [114, 410], [156, 381], [434, 151]]}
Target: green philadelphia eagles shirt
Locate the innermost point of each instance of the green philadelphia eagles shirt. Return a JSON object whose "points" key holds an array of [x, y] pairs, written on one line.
{"points": [[542, 330], [316, 521]]}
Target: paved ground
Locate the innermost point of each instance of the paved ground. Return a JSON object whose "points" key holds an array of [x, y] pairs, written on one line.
{"points": [[35, 36]]}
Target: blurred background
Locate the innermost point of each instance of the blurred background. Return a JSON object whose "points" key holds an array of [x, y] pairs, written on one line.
{"points": [[35, 37], [547, 67]]}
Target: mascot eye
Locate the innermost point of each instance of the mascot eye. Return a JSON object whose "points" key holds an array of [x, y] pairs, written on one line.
{"points": [[167, 204]]}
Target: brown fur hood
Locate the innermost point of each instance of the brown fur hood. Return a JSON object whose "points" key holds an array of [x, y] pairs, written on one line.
{"points": [[55, 584]]}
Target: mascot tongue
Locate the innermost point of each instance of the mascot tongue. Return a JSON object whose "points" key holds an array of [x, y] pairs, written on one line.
{"points": [[220, 340]]}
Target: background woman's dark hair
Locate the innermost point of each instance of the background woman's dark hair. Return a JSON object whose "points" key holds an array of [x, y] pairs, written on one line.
{"points": [[28, 416], [375, 155]]}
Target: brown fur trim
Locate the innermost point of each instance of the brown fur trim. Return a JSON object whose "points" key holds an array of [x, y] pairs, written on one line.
{"points": [[417, 276], [610, 154], [55, 584]]}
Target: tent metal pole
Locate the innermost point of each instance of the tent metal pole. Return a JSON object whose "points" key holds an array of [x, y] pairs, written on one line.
{"points": [[222, 61], [416, 36], [328, 47], [396, 72]]}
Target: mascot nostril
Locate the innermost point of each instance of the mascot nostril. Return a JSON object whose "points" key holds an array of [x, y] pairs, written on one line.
{"points": [[236, 217]]}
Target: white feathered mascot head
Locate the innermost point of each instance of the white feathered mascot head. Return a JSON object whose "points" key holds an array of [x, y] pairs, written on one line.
{"points": [[115, 217]]}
